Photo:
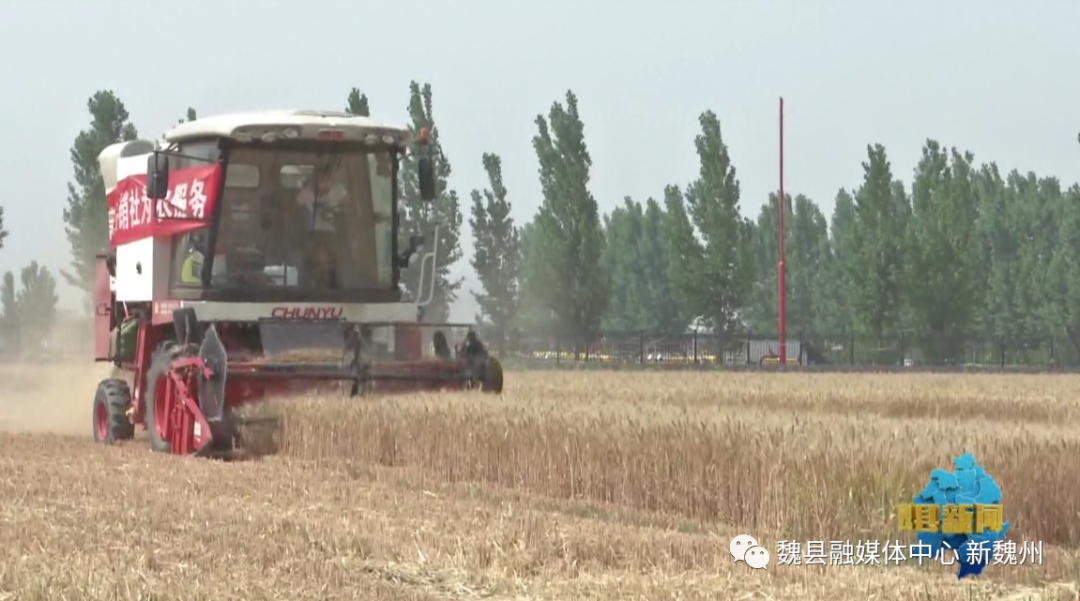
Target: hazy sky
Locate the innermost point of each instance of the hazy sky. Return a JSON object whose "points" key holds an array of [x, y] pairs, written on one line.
{"points": [[997, 78]]}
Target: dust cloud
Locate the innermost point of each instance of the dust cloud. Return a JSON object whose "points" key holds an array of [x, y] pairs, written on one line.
{"points": [[52, 395], [53, 398]]}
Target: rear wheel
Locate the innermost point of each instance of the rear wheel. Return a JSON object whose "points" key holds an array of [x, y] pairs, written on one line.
{"points": [[111, 402], [492, 380], [157, 379]]}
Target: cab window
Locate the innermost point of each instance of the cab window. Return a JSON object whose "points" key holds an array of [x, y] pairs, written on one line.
{"points": [[187, 251]]}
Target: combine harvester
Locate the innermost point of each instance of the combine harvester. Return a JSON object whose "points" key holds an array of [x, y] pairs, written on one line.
{"points": [[258, 254]]}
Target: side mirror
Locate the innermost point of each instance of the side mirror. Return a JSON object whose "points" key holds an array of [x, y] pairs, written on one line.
{"points": [[157, 176], [426, 167]]}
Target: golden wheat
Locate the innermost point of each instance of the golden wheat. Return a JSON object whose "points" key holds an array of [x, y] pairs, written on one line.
{"points": [[567, 486], [803, 456]]}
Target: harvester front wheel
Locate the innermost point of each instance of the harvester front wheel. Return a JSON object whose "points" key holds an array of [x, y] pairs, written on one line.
{"points": [[493, 376], [157, 379], [111, 402]]}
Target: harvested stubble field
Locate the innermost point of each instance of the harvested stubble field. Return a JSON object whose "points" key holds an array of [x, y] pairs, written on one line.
{"points": [[568, 486]]}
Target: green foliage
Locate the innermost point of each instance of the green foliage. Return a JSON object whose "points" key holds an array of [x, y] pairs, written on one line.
{"points": [[808, 263], [28, 313], [942, 252], [418, 217], [1063, 291], [358, 104], [663, 312], [533, 315], [86, 216], [622, 263], [496, 252], [9, 308], [567, 238], [968, 253], [190, 115], [881, 215], [636, 259], [3, 230], [686, 256], [717, 282], [761, 312], [36, 300], [998, 253], [838, 316]]}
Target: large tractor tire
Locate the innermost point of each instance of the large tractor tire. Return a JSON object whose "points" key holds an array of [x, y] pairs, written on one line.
{"points": [[111, 402], [156, 380], [492, 380]]}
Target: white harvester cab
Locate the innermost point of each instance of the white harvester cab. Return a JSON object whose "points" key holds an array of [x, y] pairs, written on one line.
{"points": [[264, 214]]}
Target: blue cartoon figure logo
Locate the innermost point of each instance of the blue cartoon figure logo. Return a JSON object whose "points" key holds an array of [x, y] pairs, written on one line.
{"points": [[958, 513]]}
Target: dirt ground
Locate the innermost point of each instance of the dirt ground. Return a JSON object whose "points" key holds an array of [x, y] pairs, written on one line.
{"points": [[532, 495]]}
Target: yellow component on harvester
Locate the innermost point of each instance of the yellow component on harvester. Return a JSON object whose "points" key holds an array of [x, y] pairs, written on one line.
{"points": [[191, 270]]}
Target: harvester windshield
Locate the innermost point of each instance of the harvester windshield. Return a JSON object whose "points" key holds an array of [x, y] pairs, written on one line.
{"points": [[294, 218]]}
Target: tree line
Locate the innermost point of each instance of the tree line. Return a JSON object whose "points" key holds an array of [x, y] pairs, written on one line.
{"points": [[959, 251], [27, 307]]}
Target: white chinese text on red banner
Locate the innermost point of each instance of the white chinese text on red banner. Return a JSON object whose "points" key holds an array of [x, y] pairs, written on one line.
{"points": [[187, 206]]}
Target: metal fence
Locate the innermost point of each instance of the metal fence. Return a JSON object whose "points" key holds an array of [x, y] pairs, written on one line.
{"points": [[689, 350], [749, 348]]}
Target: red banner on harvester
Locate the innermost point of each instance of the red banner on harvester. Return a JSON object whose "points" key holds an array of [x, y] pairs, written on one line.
{"points": [[187, 206]]}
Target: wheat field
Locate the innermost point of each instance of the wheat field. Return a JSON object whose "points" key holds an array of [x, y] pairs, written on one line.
{"points": [[569, 485]]}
